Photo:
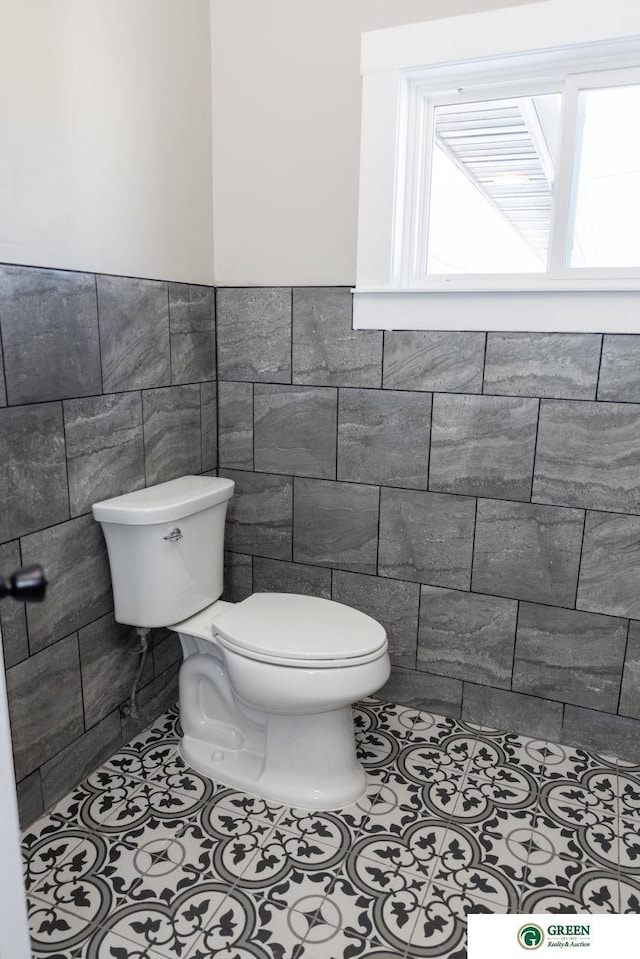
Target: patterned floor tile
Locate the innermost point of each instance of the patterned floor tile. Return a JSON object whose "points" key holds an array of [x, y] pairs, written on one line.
{"points": [[147, 858]]}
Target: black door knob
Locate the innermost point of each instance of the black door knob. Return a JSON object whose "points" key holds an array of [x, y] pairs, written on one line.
{"points": [[28, 584]]}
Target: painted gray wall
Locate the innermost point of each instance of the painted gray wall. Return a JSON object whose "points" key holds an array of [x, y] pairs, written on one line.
{"points": [[478, 494], [108, 385]]}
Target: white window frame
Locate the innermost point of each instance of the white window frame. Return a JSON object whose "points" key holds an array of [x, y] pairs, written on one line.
{"points": [[406, 72]]}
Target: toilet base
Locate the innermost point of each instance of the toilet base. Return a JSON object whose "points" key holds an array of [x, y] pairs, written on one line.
{"points": [[307, 761]]}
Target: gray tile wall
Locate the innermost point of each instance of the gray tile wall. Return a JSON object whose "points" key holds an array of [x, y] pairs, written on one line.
{"points": [[110, 386], [479, 494]]}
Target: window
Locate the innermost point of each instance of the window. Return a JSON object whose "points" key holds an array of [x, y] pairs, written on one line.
{"points": [[499, 175]]}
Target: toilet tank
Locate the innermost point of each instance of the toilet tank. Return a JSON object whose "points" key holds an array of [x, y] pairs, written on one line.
{"points": [[166, 548]]}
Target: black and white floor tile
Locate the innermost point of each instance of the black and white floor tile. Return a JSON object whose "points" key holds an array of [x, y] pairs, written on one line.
{"points": [[146, 859]]}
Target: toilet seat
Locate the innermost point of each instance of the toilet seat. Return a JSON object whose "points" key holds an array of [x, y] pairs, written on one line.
{"points": [[292, 630]]}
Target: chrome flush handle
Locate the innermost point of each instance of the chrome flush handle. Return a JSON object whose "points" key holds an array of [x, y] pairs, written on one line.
{"points": [[173, 535]]}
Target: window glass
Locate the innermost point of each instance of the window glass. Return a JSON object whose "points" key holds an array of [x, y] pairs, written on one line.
{"points": [[491, 184], [603, 230]]}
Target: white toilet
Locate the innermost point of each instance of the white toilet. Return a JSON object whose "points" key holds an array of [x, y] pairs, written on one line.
{"points": [[267, 684]]}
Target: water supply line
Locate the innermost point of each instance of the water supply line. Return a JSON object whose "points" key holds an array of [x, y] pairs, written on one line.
{"points": [[131, 708]]}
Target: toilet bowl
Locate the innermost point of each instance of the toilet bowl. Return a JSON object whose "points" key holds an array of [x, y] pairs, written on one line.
{"points": [[267, 684]]}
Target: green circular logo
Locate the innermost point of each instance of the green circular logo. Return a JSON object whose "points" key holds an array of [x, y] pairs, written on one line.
{"points": [[530, 936]]}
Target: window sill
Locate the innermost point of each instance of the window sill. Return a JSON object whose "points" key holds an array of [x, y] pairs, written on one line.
{"points": [[554, 309]]}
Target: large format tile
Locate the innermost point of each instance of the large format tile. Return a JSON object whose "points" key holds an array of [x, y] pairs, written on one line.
{"points": [[238, 577], [42, 720], [172, 439], [335, 524], [588, 455], [278, 576], [105, 448], [32, 452], [295, 430], [620, 368], [383, 437], [426, 537], [326, 350], [421, 690], [483, 445], [467, 636], [192, 328], [235, 425], [511, 711], [439, 361], [390, 602], [569, 656], [209, 425], [109, 662], [134, 333], [630, 694], [610, 568], [13, 616], [601, 732], [75, 558], [560, 365], [254, 334], [259, 515], [3, 385], [30, 802], [527, 551], [68, 767], [49, 325]]}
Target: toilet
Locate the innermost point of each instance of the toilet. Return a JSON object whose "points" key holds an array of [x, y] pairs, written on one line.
{"points": [[267, 684]]}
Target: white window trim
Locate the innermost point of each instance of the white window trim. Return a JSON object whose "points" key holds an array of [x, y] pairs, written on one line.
{"points": [[396, 81]]}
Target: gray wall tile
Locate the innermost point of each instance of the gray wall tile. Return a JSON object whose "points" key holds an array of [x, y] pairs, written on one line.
{"points": [[335, 524], [30, 802], [601, 732], [392, 603], [588, 455], [152, 700], [527, 551], [467, 636], [193, 332], [49, 324], [439, 361], [630, 694], [295, 430], [562, 365], [569, 656], [260, 514], [483, 445], [32, 452], [134, 333], [209, 425], [235, 425], [105, 448], [42, 720], [620, 368], [512, 712], [75, 558], [238, 577], [172, 440], [610, 569], [109, 662], [166, 650], [13, 617], [277, 576], [435, 694], [426, 537], [326, 350], [3, 387], [383, 437], [260, 319], [76, 761]]}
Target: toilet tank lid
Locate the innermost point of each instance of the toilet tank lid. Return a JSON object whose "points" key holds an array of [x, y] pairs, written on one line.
{"points": [[165, 502]]}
